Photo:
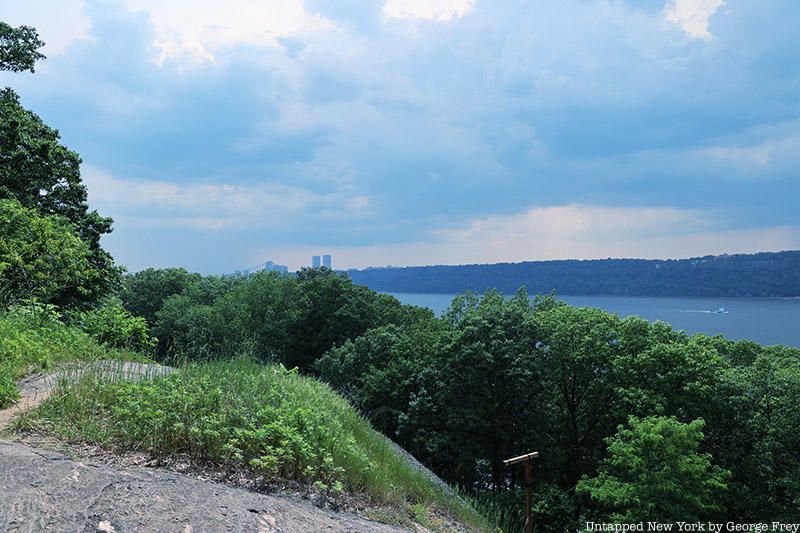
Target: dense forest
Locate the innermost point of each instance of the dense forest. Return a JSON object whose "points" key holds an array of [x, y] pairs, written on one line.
{"points": [[496, 377], [762, 274], [633, 420]]}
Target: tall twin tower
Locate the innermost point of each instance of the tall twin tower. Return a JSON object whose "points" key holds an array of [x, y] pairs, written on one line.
{"points": [[316, 263]]}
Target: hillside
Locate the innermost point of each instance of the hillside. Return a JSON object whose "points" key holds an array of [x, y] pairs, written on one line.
{"points": [[762, 274], [262, 428]]}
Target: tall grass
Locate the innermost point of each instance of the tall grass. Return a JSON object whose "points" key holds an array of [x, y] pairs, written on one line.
{"points": [[240, 414], [31, 341]]}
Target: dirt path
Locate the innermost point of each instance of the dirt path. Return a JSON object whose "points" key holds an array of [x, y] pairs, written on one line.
{"points": [[42, 490], [34, 389]]}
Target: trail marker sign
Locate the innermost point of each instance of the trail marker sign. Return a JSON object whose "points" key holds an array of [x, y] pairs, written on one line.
{"points": [[528, 460]]}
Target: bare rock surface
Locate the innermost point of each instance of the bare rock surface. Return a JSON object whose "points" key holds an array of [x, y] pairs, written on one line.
{"points": [[42, 490]]}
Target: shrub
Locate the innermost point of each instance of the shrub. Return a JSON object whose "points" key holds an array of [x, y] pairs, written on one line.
{"points": [[34, 339], [8, 389], [113, 325]]}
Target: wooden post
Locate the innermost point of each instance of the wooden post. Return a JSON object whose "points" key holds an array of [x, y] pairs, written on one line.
{"points": [[528, 460], [529, 489]]}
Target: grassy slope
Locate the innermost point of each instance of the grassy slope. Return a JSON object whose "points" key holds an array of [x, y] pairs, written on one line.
{"points": [[240, 414], [30, 343]]}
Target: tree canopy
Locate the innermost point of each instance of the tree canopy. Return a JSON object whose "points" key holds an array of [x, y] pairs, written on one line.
{"points": [[38, 171], [41, 258], [19, 48], [654, 471]]}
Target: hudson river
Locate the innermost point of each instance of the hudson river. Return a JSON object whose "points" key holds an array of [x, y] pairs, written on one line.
{"points": [[764, 320]]}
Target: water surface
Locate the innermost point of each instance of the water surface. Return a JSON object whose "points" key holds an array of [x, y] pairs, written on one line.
{"points": [[764, 320]]}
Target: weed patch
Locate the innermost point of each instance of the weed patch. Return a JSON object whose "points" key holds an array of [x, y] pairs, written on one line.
{"points": [[32, 340]]}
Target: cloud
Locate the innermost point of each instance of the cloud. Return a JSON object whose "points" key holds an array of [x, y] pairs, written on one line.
{"points": [[760, 158], [570, 231], [58, 23], [359, 202], [359, 130], [201, 205], [578, 222], [752, 155], [205, 28], [692, 15], [442, 10]]}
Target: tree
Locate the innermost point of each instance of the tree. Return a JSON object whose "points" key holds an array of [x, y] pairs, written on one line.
{"points": [[42, 258], [763, 444], [378, 371], [185, 329], [37, 170], [19, 48], [577, 354], [332, 310], [487, 384], [144, 292], [655, 472], [679, 379], [260, 313]]}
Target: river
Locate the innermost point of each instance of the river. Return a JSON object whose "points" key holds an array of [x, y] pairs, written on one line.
{"points": [[764, 320]]}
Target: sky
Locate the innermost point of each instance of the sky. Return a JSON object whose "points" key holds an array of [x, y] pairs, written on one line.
{"points": [[219, 135]]}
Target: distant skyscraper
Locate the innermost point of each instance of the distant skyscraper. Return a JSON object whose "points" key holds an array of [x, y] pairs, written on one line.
{"points": [[326, 261], [315, 263]]}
